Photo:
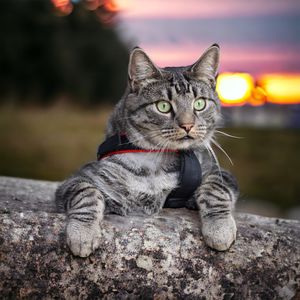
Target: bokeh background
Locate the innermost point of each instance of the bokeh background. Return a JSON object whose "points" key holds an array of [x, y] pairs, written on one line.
{"points": [[63, 65]]}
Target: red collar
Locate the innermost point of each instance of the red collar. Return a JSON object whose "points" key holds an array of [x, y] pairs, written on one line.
{"points": [[119, 144]]}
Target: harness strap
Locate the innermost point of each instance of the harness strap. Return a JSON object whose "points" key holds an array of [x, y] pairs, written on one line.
{"points": [[190, 176], [113, 145], [190, 179]]}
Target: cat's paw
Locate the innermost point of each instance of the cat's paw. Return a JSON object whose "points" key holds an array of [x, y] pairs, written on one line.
{"points": [[82, 240], [220, 233]]}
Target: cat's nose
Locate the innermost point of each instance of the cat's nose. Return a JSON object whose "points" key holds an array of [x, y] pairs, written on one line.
{"points": [[187, 127]]}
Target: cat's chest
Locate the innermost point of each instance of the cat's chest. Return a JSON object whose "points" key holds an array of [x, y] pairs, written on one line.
{"points": [[155, 173]]}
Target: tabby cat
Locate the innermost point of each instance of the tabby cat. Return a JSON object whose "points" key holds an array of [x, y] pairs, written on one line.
{"points": [[173, 108]]}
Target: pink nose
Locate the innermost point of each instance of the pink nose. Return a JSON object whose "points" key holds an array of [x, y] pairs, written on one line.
{"points": [[187, 127]]}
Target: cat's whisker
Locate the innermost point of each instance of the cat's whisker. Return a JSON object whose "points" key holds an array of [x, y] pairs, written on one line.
{"points": [[162, 146], [167, 129], [209, 148], [229, 135], [152, 134], [219, 146]]}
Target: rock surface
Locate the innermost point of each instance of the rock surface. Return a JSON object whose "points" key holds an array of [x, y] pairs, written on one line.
{"points": [[160, 257]]}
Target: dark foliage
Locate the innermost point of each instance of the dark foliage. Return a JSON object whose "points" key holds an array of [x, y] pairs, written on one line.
{"points": [[43, 56]]}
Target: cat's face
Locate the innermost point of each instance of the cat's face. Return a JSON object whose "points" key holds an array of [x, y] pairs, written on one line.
{"points": [[174, 108]]}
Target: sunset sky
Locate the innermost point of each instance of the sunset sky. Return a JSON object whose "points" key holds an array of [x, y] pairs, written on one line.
{"points": [[255, 36]]}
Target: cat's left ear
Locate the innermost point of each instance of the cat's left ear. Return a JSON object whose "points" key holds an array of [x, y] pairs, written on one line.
{"points": [[206, 67], [141, 69]]}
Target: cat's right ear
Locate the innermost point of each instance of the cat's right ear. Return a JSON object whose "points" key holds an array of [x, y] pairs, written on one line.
{"points": [[141, 69]]}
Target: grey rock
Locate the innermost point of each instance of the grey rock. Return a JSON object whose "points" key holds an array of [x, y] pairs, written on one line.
{"points": [[159, 257]]}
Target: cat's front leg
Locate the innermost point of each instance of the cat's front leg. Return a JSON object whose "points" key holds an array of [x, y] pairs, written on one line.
{"points": [[84, 207], [216, 198]]}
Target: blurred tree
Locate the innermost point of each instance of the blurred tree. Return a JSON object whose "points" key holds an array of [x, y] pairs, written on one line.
{"points": [[43, 56]]}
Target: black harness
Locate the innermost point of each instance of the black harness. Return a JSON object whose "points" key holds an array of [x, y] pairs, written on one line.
{"points": [[190, 176]]}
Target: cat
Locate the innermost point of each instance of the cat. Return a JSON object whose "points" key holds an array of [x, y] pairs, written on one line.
{"points": [[174, 108]]}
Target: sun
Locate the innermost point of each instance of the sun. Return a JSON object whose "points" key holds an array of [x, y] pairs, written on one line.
{"points": [[234, 88]]}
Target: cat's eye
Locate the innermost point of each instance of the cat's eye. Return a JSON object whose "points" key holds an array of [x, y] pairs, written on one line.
{"points": [[199, 104], [164, 106]]}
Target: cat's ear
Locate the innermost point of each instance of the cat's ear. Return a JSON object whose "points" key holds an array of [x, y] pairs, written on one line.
{"points": [[141, 68], [206, 67]]}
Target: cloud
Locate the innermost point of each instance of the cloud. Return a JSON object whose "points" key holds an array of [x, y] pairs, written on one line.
{"points": [[246, 30], [234, 58], [205, 9]]}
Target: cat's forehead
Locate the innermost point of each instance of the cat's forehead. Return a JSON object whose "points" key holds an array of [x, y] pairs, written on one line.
{"points": [[175, 83], [175, 78], [175, 75], [180, 76], [174, 69]]}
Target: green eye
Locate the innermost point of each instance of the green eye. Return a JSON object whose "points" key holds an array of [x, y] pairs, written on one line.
{"points": [[199, 104], [163, 106]]}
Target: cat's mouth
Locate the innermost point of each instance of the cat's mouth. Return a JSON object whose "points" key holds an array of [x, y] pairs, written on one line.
{"points": [[186, 138]]}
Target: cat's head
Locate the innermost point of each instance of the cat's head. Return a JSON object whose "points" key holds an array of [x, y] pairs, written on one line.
{"points": [[173, 107]]}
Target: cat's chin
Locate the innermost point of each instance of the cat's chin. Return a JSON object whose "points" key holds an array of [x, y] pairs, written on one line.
{"points": [[185, 144]]}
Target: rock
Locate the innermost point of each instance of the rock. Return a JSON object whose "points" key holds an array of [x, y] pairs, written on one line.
{"points": [[159, 257]]}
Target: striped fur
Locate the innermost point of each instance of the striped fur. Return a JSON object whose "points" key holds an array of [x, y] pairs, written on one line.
{"points": [[139, 183]]}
